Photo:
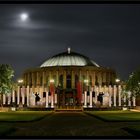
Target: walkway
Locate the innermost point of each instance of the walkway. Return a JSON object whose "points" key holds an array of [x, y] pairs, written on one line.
{"points": [[70, 124]]}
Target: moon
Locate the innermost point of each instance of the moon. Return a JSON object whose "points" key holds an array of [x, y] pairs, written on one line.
{"points": [[24, 16]]}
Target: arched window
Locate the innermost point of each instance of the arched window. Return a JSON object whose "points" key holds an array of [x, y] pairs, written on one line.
{"points": [[47, 80], [30, 79], [54, 78], [35, 76], [41, 80], [61, 80], [90, 80], [96, 81], [76, 80], [68, 84]]}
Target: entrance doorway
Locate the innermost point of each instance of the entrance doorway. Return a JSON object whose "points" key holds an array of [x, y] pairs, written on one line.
{"points": [[69, 99], [66, 99]]}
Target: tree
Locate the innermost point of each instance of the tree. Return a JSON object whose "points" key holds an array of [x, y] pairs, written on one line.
{"points": [[6, 84], [133, 83]]}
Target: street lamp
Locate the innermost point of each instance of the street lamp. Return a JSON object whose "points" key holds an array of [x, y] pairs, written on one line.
{"points": [[51, 80], [117, 80], [86, 81], [20, 81]]}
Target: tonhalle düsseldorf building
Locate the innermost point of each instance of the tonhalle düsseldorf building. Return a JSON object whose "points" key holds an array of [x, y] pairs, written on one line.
{"points": [[69, 80]]}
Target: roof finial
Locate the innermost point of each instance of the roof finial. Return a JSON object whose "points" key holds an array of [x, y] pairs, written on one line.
{"points": [[69, 49]]}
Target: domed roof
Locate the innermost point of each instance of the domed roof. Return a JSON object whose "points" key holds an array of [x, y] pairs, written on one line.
{"points": [[69, 59]]}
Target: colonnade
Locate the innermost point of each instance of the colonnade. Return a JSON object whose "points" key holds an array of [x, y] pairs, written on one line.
{"points": [[111, 97]]}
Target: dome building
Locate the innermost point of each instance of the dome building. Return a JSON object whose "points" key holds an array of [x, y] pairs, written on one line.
{"points": [[67, 75]]}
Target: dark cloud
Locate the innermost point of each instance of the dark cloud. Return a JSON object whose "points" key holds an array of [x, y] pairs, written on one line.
{"points": [[108, 34]]}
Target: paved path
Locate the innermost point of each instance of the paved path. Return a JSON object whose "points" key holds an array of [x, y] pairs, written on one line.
{"points": [[70, 124]]}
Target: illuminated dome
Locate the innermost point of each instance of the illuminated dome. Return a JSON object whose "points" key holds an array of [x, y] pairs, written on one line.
{"points": [[69, 59]]}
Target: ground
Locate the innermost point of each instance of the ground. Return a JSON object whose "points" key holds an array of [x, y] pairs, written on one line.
{"points": [[68, 124]]}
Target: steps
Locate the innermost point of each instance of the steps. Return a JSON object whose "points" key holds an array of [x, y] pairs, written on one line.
{"points": [[68, 110]]}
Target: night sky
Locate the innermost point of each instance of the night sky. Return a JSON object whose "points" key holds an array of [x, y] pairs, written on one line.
{"points": [[109, 34]]}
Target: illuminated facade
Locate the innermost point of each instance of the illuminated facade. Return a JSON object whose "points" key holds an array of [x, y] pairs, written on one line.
{"points": [[67, 75], [69, 81]]}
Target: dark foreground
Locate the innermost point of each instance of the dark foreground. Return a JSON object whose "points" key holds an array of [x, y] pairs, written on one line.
{"points": [[70, 124]]}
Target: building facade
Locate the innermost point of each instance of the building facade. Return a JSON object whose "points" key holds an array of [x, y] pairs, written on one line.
{"points": [[69, 80], [68, 75]]}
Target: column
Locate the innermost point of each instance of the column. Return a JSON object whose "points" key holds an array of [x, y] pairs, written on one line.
{"points": [[32, 98], [57, 78], [100, 88], [87, 76], [114, 90], [37, 91], [88, 98], [38, 79], [52, 102], [85, 99], [9, 98], [124, 99], [96, 93], [4, 98], [18, 95], [110, 95], [134, 100], [47, 99], [28, 79], [93, 79], [90, 105], [64, 82], [104, 89], [33, 80], [104, 77], [72, 78], [55, 98], [99, 78], [13, 96], [43, 79], [81, 87], [109, 77], [119, 94], [24, 82], [23, 94], [27, 91], [41, 94], [129, 98]]}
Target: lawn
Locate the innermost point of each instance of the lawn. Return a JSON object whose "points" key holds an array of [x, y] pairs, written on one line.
{"points": [[22, 116], [119, 116]]}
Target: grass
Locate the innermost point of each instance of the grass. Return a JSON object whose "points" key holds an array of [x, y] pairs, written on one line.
{"points": [[22, 116], [120, 116]]}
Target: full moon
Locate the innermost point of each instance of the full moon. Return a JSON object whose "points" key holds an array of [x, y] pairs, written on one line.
{"points": [[24, 16]]}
